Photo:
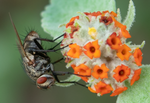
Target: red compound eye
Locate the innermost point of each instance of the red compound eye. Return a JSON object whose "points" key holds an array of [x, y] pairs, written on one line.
{"points": [[41, 80]]}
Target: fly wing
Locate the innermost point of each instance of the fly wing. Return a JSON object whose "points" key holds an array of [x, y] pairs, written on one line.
{"points": [[19, 44]]}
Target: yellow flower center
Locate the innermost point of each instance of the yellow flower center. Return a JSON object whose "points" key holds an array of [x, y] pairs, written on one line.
{"points": [[92, 32]]}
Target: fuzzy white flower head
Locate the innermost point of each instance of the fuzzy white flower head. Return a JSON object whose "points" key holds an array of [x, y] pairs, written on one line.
{"points": [[98, 49]]}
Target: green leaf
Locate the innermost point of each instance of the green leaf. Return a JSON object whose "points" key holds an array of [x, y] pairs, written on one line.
{"points": [[71, 78], [118, 15], [139, 92], [130, 15], [61, 11]]}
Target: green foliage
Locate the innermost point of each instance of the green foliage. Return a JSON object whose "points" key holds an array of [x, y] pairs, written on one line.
{"points": [[118, 15], [130, 15], [139, 92]]}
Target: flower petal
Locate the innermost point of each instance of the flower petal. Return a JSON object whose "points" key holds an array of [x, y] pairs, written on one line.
{"points": [[103, 88], [118, 91], [136, 76]]}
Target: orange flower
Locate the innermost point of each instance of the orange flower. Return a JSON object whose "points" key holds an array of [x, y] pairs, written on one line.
{"points": [[117, 24], [96, 13], [136, 76], [114, 41], [73, 66], [104, 12], [106, 20], [124, 32], [92, 49], [103, 88], [113, 13], [100, 72], [65, 35], [93, 14], [73, 29], [87, 13], [93, 91], [138, 56], [67, 59], [121, 73], [72, 21], [118, 91], [75, 51], [82, 69], [123, 52]]}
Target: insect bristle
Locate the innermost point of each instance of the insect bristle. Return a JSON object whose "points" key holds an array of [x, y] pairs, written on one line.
{"points": [[29, 29]]}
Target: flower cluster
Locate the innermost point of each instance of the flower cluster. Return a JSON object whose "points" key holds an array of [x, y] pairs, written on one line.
{"points": [[98, 48]]}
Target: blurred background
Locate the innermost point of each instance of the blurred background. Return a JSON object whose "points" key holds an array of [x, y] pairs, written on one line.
{"points": [[16, 87]]}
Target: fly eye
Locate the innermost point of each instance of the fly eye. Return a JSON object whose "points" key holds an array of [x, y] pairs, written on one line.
{"points": [[41, 80], [45, 81]]}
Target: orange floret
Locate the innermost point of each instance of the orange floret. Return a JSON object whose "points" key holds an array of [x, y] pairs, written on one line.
{"points": [[113, 13], [73, 29], [100, 72], [124, 32], [114, 41], [65, 35], [136, 76], [87, 13], [118, 91], [93, 91], [92, 49], [82, 69], [93, 14], [106, 20], [123, 52], [121, 73], [96, 13], [67, 59], [75, 51], [104, 12], [73, 66], [72, 21], [138, 56], [117, 24], [103, 88]]}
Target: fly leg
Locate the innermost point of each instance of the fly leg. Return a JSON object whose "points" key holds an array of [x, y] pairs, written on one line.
{"points": [[48, 39], [35, 40], [56, 73], [35, 50], [51, 49], [58, 61]]}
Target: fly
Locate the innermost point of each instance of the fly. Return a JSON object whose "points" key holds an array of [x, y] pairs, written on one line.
{"points": [[37, 63]]}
